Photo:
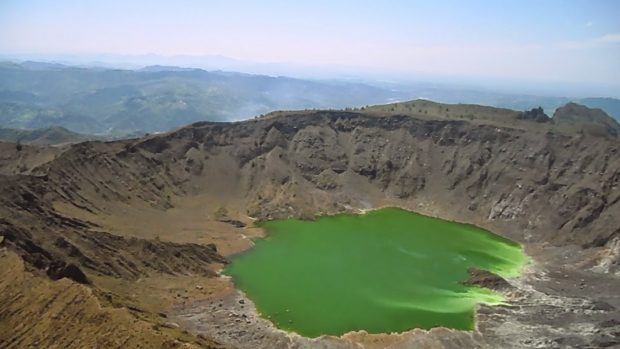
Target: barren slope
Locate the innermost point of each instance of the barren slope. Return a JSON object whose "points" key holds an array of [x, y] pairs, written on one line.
{"points": [[39, 313]]}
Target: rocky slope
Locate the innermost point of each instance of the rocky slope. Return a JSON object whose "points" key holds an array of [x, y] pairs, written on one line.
{"points": [[63, 314], [123, 216]]}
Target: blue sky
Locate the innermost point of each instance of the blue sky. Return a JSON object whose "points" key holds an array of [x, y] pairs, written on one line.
{"points": [[561, 41]]}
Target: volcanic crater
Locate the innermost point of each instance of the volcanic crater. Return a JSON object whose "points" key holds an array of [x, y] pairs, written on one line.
{"points": [[130, 237]]}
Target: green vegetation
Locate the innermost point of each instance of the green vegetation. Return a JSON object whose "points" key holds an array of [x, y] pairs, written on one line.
{"points": [[117, 102], [384, 271]]}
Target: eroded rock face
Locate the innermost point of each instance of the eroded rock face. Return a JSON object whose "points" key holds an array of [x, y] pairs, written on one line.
{"points": [[64, 251], [538, 186], [534, 185]]}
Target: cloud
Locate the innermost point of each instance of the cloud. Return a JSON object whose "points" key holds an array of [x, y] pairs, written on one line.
{"points": [[607, 39], [613, 38]]}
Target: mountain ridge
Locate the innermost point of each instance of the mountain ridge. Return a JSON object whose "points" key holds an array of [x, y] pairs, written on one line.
{"points": [[52, 135], [116, 102]]}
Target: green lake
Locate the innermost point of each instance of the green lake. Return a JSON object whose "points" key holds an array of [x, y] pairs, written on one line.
{"points": [[388, 270]]}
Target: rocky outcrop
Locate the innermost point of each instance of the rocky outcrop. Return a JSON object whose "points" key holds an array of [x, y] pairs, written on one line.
{"points": [[485, 278], [535, 114]]}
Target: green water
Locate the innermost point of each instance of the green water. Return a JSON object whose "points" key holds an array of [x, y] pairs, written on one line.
{"points": [[389, 270]]}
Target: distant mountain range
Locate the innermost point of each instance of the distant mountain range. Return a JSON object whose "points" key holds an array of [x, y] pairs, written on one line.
{"points": [[43, 136], [112, 101], [115, 102]]}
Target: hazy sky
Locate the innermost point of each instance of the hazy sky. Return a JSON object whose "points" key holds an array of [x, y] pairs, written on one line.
{"points": [[551, 40]]}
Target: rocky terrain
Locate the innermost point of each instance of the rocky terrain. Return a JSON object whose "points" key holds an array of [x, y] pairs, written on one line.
{"points": [[137, 230]]}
